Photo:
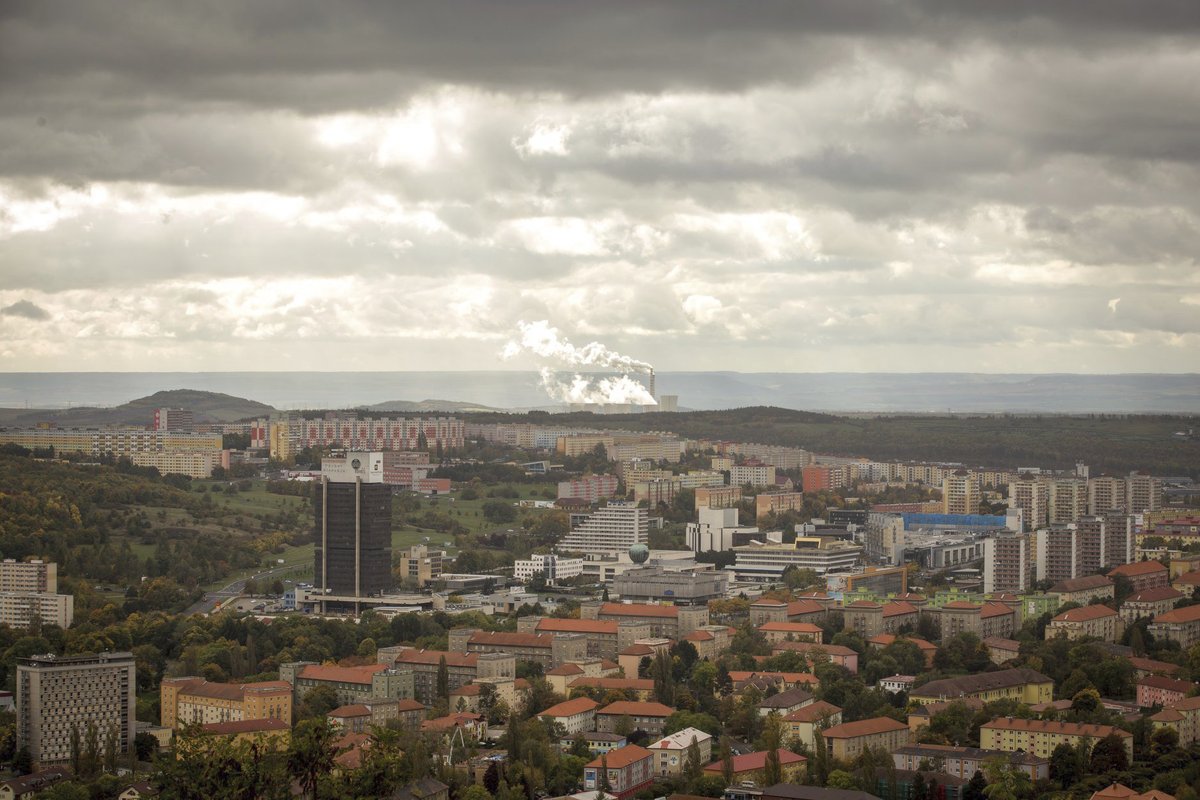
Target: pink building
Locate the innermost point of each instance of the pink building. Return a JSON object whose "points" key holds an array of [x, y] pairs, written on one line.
{"points": [[1159, 690], [591, 488]]}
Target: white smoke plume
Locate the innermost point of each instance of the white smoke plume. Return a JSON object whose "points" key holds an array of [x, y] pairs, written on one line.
{"points": [[543, 341]]}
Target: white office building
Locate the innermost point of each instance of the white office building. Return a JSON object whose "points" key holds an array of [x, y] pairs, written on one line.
{"points": [[767, 562], [555, 567]]}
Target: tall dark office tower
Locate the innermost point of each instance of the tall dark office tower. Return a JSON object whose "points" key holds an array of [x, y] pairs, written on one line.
{"points": [[353, 506]]}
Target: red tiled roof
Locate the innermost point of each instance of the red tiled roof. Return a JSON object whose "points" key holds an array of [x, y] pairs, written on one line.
{"points": [[409, 705], [198, 687], [637, 709], [699, 636], [435, 656], [1150, 665], [791, 627], [863, 727], [1137, 568], [1001, 643], [337, 674], [789, 677], [990, 610], [799, 607], [767, 602], [962, 605], [864, 604], [1167, 684], [566, 669], [245, 726], [1155, 595], [1054, 726], [569, 708], [622, 757], [639, 610], [1085, 614], [509, 639], [898, 609], [1186, 614], [1081, 584], [813, 712], [637, 684], [637, 650], [556, 625], [357, 710], [751, 762]]}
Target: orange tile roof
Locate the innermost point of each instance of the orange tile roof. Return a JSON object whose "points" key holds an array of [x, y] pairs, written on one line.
{"points": [[566, 669], [637, 650], [637, 709], [752, 762], [791, 627], [864, 604], [1167, 684], [1150, 665], [1137, 568], [435, 656], [357, 710], [409, 705], [1187, 614], [622, 757], [863, 727], [995, 610], [798, 607], [322, 672], [637, 684], [556, 625], [1085, 614], [639, 610], [1054, 726], [569, 708], [1192, 577], [898, 609], [1155, 595], [813, 712], [962, 605], [509, 639], [767, 602], [699, 636], [790, 677], [245, 726]]}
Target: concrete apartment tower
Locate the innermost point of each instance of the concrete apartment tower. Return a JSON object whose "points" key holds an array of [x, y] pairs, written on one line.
{"points": [[59, 694], [353, 509]]}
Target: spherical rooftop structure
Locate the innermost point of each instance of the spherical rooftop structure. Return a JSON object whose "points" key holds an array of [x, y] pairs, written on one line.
{"points": [[639, 553]]}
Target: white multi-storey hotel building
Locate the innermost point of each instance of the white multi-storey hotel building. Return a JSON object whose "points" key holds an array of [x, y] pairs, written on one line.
{"points": [[554, 567], [610, 531]]}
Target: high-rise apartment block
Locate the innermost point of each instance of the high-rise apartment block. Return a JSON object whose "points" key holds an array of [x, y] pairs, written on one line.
{"points": [[960, 493], [1090, 545], [1144, 493], [1067, 500], [612, 530], [28, 576], [591, 488], [1106, 493], [28, 591], [1030, 494], [353, 509], [290, 434], [1008, 563], [60, 695], [174, 419]]}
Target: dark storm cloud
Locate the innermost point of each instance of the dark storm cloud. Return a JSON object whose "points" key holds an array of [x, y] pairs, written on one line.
{"points": [[997, 177], [26, 310]]}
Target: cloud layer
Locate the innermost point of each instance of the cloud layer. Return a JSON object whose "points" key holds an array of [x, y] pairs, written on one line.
{"points": [[819, 186]]}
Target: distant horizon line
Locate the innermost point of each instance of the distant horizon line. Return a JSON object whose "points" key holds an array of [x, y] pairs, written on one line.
{"points": [[534, 370]]}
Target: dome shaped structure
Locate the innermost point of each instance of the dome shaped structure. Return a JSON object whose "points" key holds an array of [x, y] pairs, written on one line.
{"points": [[639, 553]]}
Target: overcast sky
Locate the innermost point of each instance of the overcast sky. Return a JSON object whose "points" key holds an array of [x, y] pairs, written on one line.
{"points": [[792, 186]]}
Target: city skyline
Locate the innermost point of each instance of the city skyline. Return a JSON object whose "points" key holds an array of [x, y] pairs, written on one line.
{"points": [[835, 186]]}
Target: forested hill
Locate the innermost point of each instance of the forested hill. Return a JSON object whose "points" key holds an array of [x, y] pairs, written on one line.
{"points": [[207, 406], [1108, 443]]}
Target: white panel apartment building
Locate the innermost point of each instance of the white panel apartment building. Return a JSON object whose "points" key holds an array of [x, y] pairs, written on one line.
{"points": [[591, 488], [755, 475], [612, 530], [28, 576]]}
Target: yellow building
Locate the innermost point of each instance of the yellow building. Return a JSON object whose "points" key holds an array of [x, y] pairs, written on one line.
{"points": [[1021, 683], [188, 701], [1041, 736], [274, 734], [280, 441], [847, 741], [801, 723]]}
